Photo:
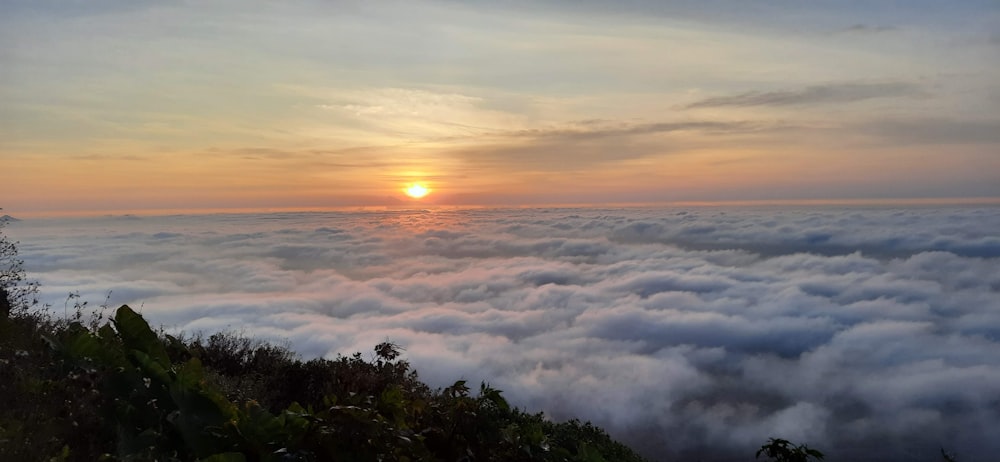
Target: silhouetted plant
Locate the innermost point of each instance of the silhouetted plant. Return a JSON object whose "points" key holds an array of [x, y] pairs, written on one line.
{"points": [[17, 294], [780, 450], [144, 395]]}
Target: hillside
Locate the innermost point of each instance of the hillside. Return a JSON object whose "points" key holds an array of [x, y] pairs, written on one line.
{"points": [[116, 390]]}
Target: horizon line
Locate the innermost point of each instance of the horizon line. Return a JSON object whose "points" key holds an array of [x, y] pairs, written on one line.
{"points": [[951, 201]]}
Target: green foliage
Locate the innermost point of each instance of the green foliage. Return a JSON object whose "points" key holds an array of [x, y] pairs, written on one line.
{"points": [[17, 294], [146, 396], [780, 450]]}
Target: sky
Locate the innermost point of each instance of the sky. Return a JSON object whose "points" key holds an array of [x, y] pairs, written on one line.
{"points": [[112, 105], [689, 333]]}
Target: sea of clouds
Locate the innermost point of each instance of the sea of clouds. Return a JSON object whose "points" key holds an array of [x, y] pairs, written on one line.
{"points": [[872, 333]]}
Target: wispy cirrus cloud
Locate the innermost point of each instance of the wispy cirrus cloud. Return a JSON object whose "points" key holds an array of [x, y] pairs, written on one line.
{"points": [[816, 94], [868, 29], [929, 130], [606, 130]]}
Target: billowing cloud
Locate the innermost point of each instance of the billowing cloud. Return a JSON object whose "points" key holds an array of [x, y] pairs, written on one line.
{"points": [[816, 94], [693, 333]]}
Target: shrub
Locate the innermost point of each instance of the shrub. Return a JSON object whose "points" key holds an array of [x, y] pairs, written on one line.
{"points": [[143, 395], [780, 450]]}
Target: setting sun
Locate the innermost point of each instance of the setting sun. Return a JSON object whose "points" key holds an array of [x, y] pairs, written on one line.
{"points": [[417, 191]]}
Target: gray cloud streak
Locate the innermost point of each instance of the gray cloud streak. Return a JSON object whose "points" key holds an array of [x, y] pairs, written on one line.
{"points": [[817, 94], [595, 131], [599, 142], [868, 29], [934, 131]]}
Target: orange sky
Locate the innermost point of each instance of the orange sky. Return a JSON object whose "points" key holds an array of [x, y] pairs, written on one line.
{"points": [[122, 106]]}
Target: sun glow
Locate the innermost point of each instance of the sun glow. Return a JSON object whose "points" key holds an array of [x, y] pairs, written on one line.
{"points": [[417, 191]]}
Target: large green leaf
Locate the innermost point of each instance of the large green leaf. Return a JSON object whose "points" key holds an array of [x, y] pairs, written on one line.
{"points": [[152, 368], [83, 345], [202, 412], [136, 335]]}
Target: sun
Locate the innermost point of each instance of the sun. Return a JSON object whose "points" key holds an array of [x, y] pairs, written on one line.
{"points": [[417, 190]]}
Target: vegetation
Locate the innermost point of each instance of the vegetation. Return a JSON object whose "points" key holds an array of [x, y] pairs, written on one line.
{"points": [[120, 391], [780, 450]]}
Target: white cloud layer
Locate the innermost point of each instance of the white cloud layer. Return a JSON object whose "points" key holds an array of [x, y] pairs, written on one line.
{"points": [[867, 332]]}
